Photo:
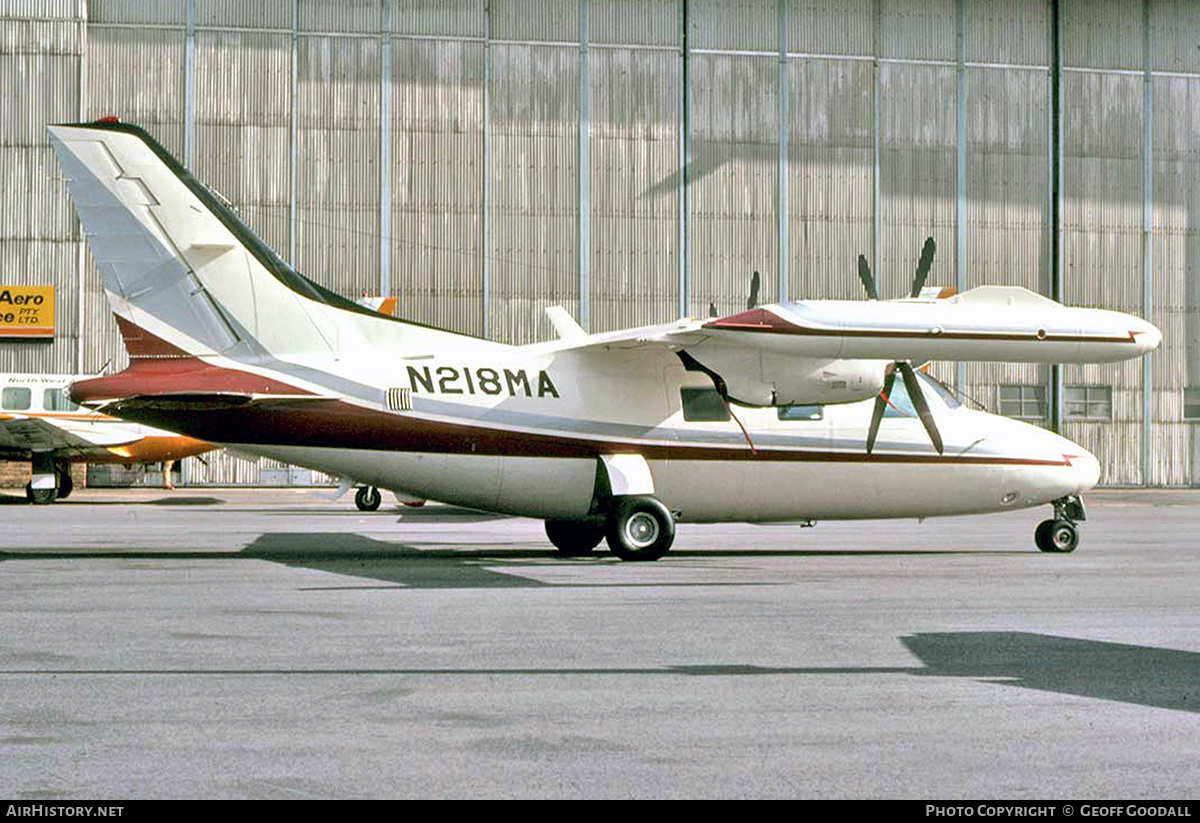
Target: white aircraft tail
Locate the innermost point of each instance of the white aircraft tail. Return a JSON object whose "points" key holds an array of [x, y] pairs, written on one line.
{"points": [[184, 274]]}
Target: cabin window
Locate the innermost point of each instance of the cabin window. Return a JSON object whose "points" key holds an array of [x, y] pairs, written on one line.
{"points": [[800, 412], [56, 400], [1088, 402], [1024, 402], [1191, 403], [15, 398], [703, 406]]}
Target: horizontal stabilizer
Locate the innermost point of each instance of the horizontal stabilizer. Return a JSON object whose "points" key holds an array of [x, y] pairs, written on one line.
{"points": [[564, 324], [205, 401]]}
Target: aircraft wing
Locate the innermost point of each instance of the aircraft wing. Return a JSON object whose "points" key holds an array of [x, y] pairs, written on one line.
{"points": [[21, 434], [989, 323], [835, 351]]}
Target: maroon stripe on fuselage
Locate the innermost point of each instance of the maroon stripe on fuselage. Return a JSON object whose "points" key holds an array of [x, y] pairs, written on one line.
{"points": [[338, 424]]}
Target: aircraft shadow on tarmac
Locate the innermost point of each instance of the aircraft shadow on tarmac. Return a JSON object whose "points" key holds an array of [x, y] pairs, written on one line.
{"points": [[179, 500], [1140, 675], [355, 555]]}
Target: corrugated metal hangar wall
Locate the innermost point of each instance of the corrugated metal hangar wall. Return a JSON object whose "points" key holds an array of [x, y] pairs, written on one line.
{"points": [[635, 160]]}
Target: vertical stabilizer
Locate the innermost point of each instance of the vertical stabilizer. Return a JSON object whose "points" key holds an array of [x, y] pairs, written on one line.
{"points": [[180, 266]]}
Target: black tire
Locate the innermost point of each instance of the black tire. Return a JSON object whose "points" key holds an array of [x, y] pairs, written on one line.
{"points": [[367, 498], [574, 538], [40, 497], [640, 528], [1057, 536], [65, 484], [1041, 536]]}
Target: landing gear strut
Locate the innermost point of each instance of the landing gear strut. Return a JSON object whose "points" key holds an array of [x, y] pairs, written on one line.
{"points": [[1059, 534]]}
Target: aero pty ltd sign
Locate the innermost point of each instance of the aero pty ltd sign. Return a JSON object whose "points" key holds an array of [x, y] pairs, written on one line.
{"points": [[26, 311]]}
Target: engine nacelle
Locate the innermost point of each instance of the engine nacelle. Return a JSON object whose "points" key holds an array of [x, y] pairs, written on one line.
{"points": [[762, 378]]}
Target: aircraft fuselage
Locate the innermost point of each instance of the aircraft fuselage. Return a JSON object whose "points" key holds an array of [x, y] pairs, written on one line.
{"points": [[523, 436]]}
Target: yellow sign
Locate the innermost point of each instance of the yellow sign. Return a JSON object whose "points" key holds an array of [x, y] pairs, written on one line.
{"points": [[26, 311]]}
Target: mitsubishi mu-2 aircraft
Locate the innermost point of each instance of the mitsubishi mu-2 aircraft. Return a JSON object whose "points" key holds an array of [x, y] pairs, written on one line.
{"points": [[797, 411]]}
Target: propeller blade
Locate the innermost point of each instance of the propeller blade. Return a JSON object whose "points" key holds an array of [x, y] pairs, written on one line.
{"points": [[864, 274], [752, 303], [918, 400], [923, 266], [881, 401]]}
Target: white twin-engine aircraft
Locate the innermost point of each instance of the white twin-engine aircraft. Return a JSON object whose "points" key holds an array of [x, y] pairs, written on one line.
{"points": [[796, 411]]}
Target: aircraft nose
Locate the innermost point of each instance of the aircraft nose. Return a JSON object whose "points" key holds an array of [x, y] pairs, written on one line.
{"points": [[1084, 466]]}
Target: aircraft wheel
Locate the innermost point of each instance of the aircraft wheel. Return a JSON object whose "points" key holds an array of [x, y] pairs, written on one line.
{"points": [[1056, 536], [40, 497], [574, 538], [1040, 536], [640, 528], [368, 498]]}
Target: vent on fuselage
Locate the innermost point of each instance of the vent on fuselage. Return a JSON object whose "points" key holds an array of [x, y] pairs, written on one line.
{"points": [[399, 399]]}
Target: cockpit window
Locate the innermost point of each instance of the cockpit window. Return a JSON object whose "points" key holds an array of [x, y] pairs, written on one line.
{"points": [[900, 405], [943, 391]]}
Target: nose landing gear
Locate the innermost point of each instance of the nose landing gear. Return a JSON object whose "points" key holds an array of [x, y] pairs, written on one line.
{"points": [[1060, 534], [367, 498]]}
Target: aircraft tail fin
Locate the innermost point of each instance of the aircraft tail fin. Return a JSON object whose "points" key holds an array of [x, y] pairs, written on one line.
{"points": [[181, 268]]}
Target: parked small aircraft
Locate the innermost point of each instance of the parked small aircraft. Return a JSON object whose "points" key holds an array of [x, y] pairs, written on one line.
{"points": [[40, 424], [782, 412]]}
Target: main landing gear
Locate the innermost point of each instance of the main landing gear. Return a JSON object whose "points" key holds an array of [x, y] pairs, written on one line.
{"points": [[1060, 534], [637, 527], [51, 479]]}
